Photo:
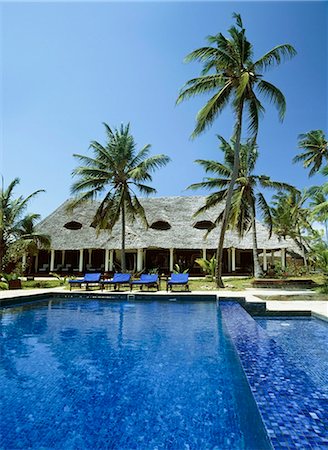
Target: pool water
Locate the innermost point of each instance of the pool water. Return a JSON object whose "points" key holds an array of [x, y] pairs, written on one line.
{"points": [[89, 374], [305, 343]]}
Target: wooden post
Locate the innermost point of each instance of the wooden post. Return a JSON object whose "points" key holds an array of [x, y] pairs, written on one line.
{"points": [[171, 259], [139, 259], [265, 262], [283, 258], [111, 260], [52, 260], [233, 259], [229, 259], [81, 261], [106, 259]]}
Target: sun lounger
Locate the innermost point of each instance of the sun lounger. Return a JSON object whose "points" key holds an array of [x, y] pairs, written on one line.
{"points": [[117, 280], [89, 278], [178, 279], [150, 280]]}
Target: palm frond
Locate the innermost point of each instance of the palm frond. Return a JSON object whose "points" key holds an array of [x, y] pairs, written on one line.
{"points": [[256, 111], [200, 85], [211, 201], [210, 183], [214, 167], [274, 95], [144, 189], [213, 107], [265, 211], [275, 56]]}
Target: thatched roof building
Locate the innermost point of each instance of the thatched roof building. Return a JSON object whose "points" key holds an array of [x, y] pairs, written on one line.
{"points": [[172, 225], [177, 212]]}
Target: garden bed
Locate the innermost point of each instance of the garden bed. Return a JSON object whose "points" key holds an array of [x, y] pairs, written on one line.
{"points": [[283, 283]]}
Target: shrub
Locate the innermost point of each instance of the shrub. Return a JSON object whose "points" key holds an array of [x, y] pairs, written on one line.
{"points": [[3, 286]]}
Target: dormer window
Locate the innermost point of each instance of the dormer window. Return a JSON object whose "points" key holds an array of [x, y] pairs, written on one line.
{"points": [[73, 225], [204, 225], [160, 225]]}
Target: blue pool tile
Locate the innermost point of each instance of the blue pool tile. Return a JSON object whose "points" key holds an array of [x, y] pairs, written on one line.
{"points": [[117, 375], [293, 401]]}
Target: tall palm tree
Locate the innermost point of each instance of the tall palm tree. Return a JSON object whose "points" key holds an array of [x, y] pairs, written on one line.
{"points": [[246, 197], [290, 218], [315, 146], [115, 170], [230, 72], [11, 217]]}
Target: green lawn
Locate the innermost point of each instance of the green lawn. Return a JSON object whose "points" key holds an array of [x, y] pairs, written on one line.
{"points": [[35, 284], [233, 284]]}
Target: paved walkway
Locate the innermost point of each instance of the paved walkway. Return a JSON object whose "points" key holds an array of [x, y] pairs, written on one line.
{"points": [[307, 300]]}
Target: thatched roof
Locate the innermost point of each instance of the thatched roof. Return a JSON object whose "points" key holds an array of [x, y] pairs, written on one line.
{"points": [[177, 211]]}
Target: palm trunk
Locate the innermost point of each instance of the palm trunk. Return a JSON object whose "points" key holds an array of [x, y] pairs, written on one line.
{"points": [[123, 262], [236, 164], [258, 272]]}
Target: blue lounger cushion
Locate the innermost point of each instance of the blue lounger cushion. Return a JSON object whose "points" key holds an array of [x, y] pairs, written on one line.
{"points": [[150, 280], [118, 278], [88, 278], [178, 278], [146, 279]]}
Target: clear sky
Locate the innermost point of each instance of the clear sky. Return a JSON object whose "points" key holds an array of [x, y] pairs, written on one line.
{"points": [[68, 67]]}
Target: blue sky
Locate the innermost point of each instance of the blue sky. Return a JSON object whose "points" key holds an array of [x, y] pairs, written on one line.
{"points": [[68, 67]]}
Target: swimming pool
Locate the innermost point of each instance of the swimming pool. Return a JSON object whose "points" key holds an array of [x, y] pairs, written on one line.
{"points": [[293, 404], [106, 374], [305, 343]]}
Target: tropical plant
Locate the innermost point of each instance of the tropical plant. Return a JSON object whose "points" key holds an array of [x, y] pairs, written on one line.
{"points": [[315, 146], [246, 197], [31, 240], [290, 218], [207, 265], [62, 280], [230, 72], [319, 254], [13, 233], [115, 170], [179, 269], [318, 205]]}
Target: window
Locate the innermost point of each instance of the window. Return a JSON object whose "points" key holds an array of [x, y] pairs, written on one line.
{"points": [[204, 225], [73, 225], [160, 225]]}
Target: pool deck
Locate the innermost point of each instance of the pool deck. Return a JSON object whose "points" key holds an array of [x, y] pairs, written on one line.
{"points": [[318, 307]]}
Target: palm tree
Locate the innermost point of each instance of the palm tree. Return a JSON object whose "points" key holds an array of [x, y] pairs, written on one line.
{"points": [[115, 170], [315, 145], [246, 197], [235, 79], [318, 205], [11, 218], [30, 240], [290, 218]]}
